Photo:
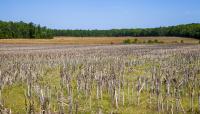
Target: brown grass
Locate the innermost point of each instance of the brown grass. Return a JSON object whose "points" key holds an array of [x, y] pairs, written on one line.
{"points": [[94, 40]]}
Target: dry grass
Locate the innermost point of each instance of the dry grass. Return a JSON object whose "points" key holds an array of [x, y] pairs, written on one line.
{"points": [[94, 40]]}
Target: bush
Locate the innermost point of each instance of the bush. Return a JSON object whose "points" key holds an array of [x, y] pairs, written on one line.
{"points": [[156, 41], [127, 41], [135, 41], [150, 42], [144, 42], [182, 41]]}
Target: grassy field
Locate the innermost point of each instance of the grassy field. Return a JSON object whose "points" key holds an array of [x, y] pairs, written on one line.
{"points": [[95, 40]]}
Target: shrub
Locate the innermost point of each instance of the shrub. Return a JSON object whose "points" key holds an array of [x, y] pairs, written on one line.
{"points": [[156, 41], [135, 41], [182, 41], [150, 42], [127, 41]]}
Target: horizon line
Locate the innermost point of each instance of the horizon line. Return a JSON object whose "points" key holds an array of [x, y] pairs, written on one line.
{"points": [[99, 29]]}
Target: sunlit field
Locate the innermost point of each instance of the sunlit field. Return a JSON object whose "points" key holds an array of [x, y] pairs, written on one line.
{"points": [[99, 57], [103, 79], [97, 40]]}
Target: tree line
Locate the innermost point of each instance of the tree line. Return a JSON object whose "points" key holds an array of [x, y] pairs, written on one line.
{"points": [[23, 30], [187, 30], [30, 30]]}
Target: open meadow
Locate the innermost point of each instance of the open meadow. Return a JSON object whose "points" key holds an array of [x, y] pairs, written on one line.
{"points": [[98, 79]]}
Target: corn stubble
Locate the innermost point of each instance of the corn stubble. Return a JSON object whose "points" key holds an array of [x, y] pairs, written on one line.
{"points": [[102, 79]]}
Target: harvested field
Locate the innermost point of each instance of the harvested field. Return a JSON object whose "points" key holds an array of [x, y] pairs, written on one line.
{"points": [[122, 79]]}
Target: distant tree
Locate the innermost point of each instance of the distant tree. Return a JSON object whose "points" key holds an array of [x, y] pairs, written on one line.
{"points": [[23, 30]]}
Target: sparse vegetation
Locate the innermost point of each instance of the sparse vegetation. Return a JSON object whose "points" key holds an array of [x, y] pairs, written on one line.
{"points": [[135, 41], [182, 41], [92, 57], [156, 41], [127, 41], [100, 79], [150, 41]]}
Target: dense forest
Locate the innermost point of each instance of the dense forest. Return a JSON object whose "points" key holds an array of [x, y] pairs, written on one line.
{"points": [[30, 30], [188, 30], [23, 30]]}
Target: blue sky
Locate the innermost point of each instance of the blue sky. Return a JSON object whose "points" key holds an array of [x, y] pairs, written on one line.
{"points": [[101, 14]]}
